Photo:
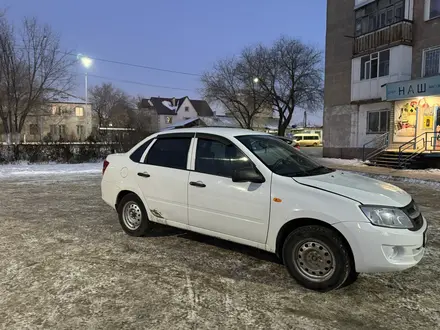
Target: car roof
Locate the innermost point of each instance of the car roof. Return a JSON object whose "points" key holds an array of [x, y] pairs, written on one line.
{"points": [[221, 131]]}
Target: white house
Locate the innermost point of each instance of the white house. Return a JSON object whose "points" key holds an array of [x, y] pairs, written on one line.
{"points": [[166, 111]]}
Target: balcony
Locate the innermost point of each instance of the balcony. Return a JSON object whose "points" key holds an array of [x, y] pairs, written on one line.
{"points": [[399, 33]]}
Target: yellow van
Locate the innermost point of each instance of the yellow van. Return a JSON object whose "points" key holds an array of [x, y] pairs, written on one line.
{"points": [[308, 140]]}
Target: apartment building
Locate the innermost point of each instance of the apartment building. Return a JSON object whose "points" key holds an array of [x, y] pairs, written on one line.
{"points": [[63, 119], [382, 76]]}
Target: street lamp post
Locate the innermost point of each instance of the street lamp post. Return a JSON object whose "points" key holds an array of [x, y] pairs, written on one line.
{"points": [[87, 63]]}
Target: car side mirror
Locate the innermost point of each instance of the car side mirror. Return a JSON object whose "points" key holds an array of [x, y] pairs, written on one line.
{"points": [[247, 174]]}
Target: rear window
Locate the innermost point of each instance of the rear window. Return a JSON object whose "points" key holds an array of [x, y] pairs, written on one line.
{"points": [[170, 152], [137, 154]]}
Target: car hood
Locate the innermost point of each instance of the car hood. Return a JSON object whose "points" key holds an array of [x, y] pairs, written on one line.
{"points": [[360, 188]]}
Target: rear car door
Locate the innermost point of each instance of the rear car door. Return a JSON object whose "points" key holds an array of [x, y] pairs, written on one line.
{"points": [[219, 205], [163, 178]]}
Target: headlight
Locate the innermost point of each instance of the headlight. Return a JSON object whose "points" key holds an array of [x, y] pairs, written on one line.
{"points": [[387, 217]]}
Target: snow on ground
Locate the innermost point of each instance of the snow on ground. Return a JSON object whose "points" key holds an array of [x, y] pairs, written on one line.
{"points": [[27, 170], [65, 263]]}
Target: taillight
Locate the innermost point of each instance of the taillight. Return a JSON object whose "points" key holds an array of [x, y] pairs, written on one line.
{"points": [[104, 166]]}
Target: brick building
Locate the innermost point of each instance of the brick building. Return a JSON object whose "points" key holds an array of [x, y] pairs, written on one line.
{"points": [[382, 76]]}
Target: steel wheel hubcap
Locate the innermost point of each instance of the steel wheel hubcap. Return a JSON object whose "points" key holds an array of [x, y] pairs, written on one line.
{"points": [[314, 260], [132, 215]]}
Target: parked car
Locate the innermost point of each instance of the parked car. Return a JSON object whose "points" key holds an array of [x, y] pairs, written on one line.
{"points": [[254, 189], [292, 142], [308, 139]]}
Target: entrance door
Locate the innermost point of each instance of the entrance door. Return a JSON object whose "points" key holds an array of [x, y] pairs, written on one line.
{"points": [[436, 134]]}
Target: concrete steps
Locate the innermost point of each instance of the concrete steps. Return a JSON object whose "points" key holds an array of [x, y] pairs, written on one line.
{"points": [[390, 159]]}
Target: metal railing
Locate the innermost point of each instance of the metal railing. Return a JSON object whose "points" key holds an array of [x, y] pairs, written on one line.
{"points": [[379, 144], [419, 144]]}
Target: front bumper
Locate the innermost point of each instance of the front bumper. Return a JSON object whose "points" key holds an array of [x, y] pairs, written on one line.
{"points": [[377, 249]]}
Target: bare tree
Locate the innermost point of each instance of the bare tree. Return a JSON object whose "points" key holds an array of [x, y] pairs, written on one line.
{"points": [[291, 73], [110, 104], [32, 70], [236, 88]]}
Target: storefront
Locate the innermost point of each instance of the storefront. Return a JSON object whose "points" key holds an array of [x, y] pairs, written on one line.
{"points": [[416, 112]]}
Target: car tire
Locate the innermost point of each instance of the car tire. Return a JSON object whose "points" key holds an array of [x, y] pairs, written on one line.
{"points": [[315, 144], [132, 216], [318, 258]]}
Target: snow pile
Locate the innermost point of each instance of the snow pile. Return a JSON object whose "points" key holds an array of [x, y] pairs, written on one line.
{"points": [[391, 178], [344, 162], [26, 170], [170, 106], [427, 171]]}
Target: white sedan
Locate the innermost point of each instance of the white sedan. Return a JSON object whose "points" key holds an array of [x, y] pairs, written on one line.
{"points": [[254, 189]]}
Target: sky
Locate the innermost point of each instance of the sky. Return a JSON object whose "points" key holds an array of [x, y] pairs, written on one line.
{"points": [[180, 35]]}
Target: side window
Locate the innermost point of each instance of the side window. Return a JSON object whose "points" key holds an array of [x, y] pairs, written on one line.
{"points": [[216, 158], [298, 137], [170, 152], [137, 154]]}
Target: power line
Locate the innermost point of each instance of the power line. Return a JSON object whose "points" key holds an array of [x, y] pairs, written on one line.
{"points": [[136, 65], [145, 67], [137, 83], [131, 64]]}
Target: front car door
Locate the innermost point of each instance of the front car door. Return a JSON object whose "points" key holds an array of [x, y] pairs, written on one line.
{"points": [[216, 204], [163, 178]]}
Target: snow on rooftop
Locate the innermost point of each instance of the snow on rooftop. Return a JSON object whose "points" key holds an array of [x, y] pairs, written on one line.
{"points": [[170, 106]]}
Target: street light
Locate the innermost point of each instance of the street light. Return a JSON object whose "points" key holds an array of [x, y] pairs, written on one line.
{"points": [[256, 80], [87, 63]]}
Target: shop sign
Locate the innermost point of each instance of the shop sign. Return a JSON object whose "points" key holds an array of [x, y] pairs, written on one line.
{"points": [[402, 90]]}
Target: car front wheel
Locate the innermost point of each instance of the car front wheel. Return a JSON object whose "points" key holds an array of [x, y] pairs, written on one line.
{"points": [[133, 216], [318, 258]]}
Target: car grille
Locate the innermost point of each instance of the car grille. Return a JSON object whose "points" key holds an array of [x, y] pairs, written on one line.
{"points": [[412, 211]]}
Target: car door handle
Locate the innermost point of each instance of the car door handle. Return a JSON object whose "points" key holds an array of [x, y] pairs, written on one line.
{"points": [[144, 175], [198, 184]]}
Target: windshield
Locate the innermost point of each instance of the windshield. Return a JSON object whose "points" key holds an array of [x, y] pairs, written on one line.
{"points": [[280, 157]]}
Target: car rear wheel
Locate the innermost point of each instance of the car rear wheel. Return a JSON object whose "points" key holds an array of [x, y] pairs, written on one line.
{"points": [[133, 216], [318, 258]]}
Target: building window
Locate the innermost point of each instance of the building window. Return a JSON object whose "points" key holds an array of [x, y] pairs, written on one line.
{"points": [[79, 130], [53, 130], [377, 15], [432, 9], [33, 129], [186, 109], [378, 121], [375, 65], [79, 111], [62, 130], [431, 62], [54, 110], [168, 120]]}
